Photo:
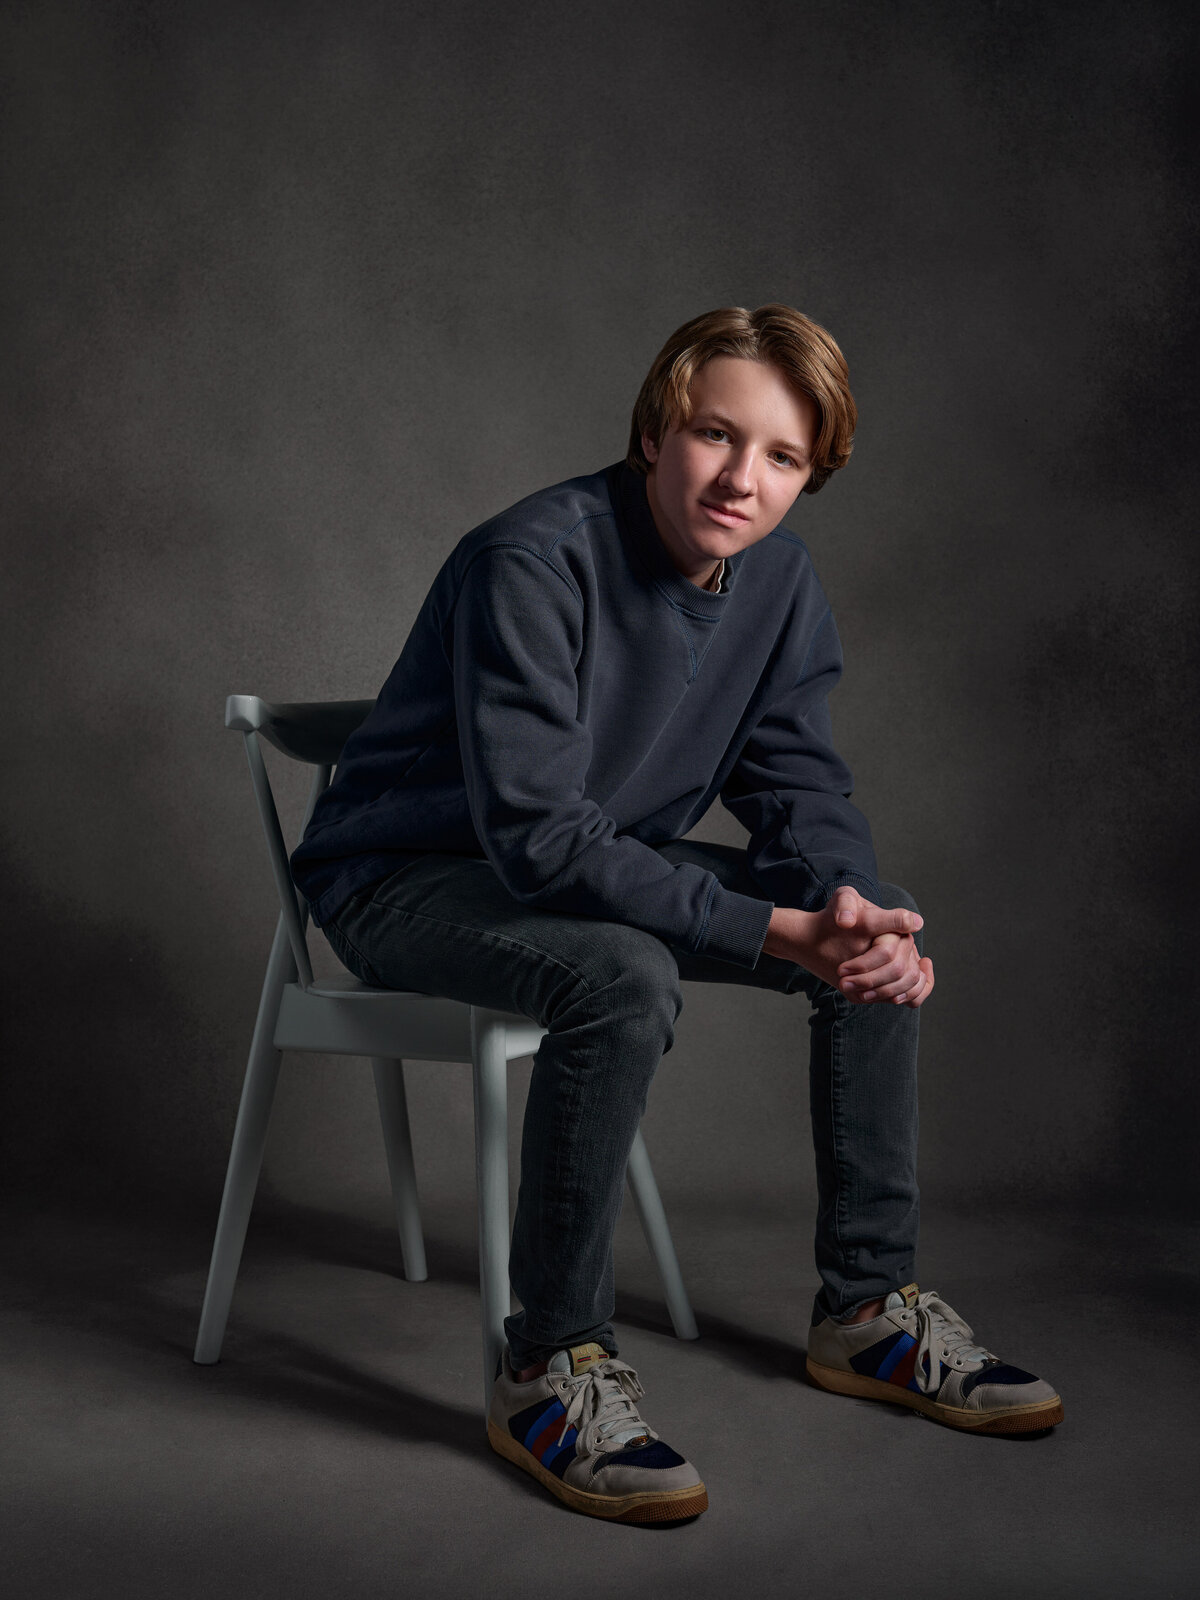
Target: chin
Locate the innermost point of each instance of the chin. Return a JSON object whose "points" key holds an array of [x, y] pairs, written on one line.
{"points": [[720, 544], [710, 550]]}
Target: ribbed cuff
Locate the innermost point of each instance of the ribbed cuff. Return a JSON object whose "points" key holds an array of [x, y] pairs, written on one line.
{"points": [[866, 886], [735, 927]]}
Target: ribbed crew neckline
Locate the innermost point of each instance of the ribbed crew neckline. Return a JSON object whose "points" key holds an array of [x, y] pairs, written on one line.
{"points": [[633, 507]]}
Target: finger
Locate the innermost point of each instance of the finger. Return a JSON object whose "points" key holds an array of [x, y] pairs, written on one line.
{"points": [[846, 903], [874, 919], [927, 970], [912, 994], [868, 968], [897, 971], [896, 978], [855, 996], [891, 989], [887, 946]]}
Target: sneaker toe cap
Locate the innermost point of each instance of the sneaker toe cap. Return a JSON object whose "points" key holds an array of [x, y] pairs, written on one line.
{"points": [[1005, 1386], [654, 1467]]}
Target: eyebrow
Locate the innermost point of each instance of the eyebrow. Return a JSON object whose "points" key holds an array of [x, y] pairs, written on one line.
{"points": [[780, 444]]}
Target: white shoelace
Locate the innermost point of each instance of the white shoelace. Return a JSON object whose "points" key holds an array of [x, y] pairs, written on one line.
{"points": [[939, 1323], [603, 1407]]}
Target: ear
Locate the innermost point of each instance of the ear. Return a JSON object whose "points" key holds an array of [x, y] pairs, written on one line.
{"points": [[649, 449]]}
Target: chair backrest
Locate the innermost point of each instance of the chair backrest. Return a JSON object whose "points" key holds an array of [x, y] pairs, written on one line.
{"points": [[312, 732]]}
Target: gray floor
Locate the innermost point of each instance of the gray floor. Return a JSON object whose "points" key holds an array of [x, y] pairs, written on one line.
{"points": [[338, 1449]]}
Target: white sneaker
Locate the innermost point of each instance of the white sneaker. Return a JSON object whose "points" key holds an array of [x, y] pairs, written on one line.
{"points": [[920, 1353]]}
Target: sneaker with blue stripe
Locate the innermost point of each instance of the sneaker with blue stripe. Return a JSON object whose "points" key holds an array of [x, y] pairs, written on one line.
{"points": [[920, 1353], [576, 1429]]}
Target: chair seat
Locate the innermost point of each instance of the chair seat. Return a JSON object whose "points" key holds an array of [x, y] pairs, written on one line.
{"points": [[341, 1016], [343, 984]]}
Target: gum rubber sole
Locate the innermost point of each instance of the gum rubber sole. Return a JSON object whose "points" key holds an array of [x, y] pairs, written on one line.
{"points": [[673, 1506], [1033, 1418]]}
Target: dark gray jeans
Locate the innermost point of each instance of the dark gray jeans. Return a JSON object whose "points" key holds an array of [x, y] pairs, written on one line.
{"points": [[609, 995]]}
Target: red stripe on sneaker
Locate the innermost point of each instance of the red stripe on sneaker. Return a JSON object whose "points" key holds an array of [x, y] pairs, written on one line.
{"points": [[548, 1437], [903, 1370]]}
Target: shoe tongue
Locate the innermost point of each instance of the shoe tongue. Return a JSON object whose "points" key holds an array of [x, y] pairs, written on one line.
{"points": [[582, 1358], [902, 1299], [579, 1358]]}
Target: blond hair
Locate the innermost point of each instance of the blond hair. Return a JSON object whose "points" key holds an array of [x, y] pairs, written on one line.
{"points": [[806, 355]]}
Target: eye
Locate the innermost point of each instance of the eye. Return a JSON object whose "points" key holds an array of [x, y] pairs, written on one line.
{"points": [[787, 460], [714, 433]]}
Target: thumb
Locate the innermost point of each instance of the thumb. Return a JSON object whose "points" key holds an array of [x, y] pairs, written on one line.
{"points": [[846, 904], [875, 920]]}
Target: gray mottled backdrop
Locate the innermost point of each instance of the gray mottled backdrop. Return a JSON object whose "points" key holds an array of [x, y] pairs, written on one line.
{"points": [[299, 293]]}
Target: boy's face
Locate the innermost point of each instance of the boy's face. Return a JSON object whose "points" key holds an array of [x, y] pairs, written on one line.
{"points": [[729, 475]]}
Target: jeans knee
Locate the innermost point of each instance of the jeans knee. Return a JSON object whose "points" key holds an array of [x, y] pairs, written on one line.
{"points": [[633, 979], [893, 898]]}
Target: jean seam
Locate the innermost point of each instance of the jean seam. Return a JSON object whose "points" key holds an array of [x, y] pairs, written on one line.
{"points": [[841, 1203], [483, 933], [505, 940]]}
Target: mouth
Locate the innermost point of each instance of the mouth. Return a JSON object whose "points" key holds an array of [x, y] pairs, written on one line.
{"points": [[727, 516]]}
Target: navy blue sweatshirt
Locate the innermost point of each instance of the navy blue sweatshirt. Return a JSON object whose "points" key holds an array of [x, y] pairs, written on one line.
{"points": [[567, 699]]}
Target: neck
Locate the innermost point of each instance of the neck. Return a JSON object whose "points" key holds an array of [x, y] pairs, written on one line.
{"points": [[700, 570]]}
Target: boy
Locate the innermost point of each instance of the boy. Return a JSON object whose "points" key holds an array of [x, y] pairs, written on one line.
{"points": [[590, 670]]}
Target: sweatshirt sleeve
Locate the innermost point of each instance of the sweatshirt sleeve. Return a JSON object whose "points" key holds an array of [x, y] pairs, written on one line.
{"points": [[791, 790], [517, 639]]}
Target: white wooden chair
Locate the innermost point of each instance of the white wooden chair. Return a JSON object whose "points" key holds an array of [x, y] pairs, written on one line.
{"points": [[341, 1016]]}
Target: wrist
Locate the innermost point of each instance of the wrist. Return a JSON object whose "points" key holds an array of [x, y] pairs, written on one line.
{"points": [[788, 928]]}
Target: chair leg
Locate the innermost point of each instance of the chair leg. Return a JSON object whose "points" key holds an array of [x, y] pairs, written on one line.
{"points": [[490, 1071], [658, 1237], [245, 1157], [397, 1141]]}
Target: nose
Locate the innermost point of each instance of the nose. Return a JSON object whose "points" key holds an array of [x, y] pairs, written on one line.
{"points": [[738, 476]]}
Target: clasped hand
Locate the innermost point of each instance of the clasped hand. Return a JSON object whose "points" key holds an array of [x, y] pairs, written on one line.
{"points": [[860, 949]]}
